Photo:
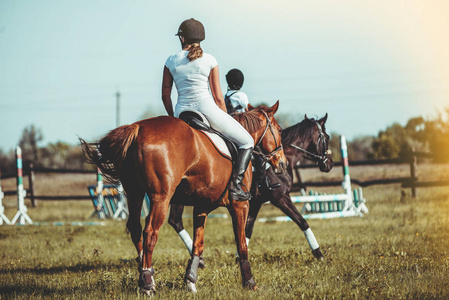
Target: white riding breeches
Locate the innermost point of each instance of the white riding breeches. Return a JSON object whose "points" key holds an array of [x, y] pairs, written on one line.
{"points": [[220, 121]]}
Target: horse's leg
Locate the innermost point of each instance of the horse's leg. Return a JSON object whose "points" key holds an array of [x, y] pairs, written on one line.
{"points": [[286, 205], [199, 224], [153, 222], [175, 221], [254, 208], [135, 199], [239, 212]]}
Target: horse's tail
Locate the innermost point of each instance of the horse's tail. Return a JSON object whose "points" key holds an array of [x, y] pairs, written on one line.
{"points": [[111, 151]]}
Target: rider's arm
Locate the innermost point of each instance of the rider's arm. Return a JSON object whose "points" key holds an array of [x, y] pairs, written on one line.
{"points": [[167, 83], [215, 88], [244, 101]]}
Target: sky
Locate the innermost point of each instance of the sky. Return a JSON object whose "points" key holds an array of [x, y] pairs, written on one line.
{"points": [[368, 64]]}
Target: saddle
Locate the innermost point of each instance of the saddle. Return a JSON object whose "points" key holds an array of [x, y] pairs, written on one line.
{"points": [[197, 120]]}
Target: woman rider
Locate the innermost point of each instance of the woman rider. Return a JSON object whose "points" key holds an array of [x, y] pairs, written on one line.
{"points": [[194, 72]]}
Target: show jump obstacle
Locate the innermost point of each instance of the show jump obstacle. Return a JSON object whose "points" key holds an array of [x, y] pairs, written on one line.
{"points": [[319, 206], [109, 201], [21, 215]]}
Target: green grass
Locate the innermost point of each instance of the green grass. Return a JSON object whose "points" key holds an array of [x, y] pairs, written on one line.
{"points": [[400, 250]]}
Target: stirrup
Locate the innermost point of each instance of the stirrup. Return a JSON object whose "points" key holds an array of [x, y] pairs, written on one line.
{"points": [[266, 184], [274, 186]]}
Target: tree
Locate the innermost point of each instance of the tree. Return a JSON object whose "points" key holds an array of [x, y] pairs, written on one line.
{"points": [[385, 146], [31, 136], [360, 148], [437, 133], [7, 162]]}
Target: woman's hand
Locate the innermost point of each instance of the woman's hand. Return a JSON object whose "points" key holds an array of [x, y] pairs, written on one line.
{"points": [[167, 84], [215, 88]]}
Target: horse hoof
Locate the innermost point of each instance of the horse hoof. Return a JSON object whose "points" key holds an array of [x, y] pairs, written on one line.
{"points": [[149, 293], [250, 284], [202, 263], [317, 254], [191, 287]]}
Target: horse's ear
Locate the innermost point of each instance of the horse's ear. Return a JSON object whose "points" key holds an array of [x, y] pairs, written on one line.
{"points": [[305, 116], [274, 108], [323, 120], [250, 107]]}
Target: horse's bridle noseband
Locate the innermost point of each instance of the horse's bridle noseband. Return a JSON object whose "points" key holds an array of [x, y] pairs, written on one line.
{"points": [[258, 150], [312, 156]]}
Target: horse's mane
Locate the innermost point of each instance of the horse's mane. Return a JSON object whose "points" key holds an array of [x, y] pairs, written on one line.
{"points": [[300, 131], [250, 120]]}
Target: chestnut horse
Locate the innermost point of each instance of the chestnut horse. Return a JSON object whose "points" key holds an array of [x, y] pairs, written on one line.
{"points": [[174, 163], [305, 139]]}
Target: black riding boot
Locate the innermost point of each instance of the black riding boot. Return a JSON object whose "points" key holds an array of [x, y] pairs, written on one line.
{"points": [[261, 175], [238, 173]]}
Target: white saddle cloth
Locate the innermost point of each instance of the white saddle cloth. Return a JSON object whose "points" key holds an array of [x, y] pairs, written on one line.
{"points": [[218, 142]]}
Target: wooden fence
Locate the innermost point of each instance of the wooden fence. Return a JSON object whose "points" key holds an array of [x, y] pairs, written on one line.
{"points": [[411, 182], [31, 172]]}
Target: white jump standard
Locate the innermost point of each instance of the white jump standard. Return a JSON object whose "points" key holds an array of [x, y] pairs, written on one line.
{"points": [[21, 214], [317, 206]]}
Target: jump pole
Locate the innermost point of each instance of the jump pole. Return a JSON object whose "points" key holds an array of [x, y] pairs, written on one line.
{"points": [[21, 214], [3, 218]]}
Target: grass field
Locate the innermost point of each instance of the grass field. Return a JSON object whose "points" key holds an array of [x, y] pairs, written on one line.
{"points": [[400, 250]]}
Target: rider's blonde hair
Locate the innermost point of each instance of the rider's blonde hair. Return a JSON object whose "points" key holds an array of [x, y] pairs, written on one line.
{"points": [[195, 51]]}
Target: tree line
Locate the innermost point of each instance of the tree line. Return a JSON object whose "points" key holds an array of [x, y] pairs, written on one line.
{"points": [[396, 141]]}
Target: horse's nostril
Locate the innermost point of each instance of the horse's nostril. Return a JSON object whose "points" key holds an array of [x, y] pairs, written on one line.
{"points": [[282, 166]]}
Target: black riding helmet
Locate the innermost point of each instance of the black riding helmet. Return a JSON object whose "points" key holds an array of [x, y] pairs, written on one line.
{"points": [[192, 30], [235, 78]]}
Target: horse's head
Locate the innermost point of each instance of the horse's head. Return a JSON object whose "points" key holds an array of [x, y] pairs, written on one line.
{"points": [[318, 149], [267, 136]]}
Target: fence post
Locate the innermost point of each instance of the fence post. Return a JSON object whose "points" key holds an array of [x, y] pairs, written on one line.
{"points": [[413, 166], [31, 185]]}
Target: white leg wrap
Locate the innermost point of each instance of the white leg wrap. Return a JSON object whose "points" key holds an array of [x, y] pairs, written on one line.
{"points": [[311, 239], [185, 237]]}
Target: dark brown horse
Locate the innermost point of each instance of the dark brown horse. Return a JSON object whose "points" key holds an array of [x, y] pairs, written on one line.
{"points": [[174, 163], [305, 139]]}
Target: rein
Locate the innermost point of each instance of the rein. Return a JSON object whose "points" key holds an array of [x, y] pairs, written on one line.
{"points": [[258, 150], [312, 156]]}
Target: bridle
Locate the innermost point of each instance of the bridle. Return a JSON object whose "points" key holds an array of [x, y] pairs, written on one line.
{"points": [[312, 156], [258, 150]]}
